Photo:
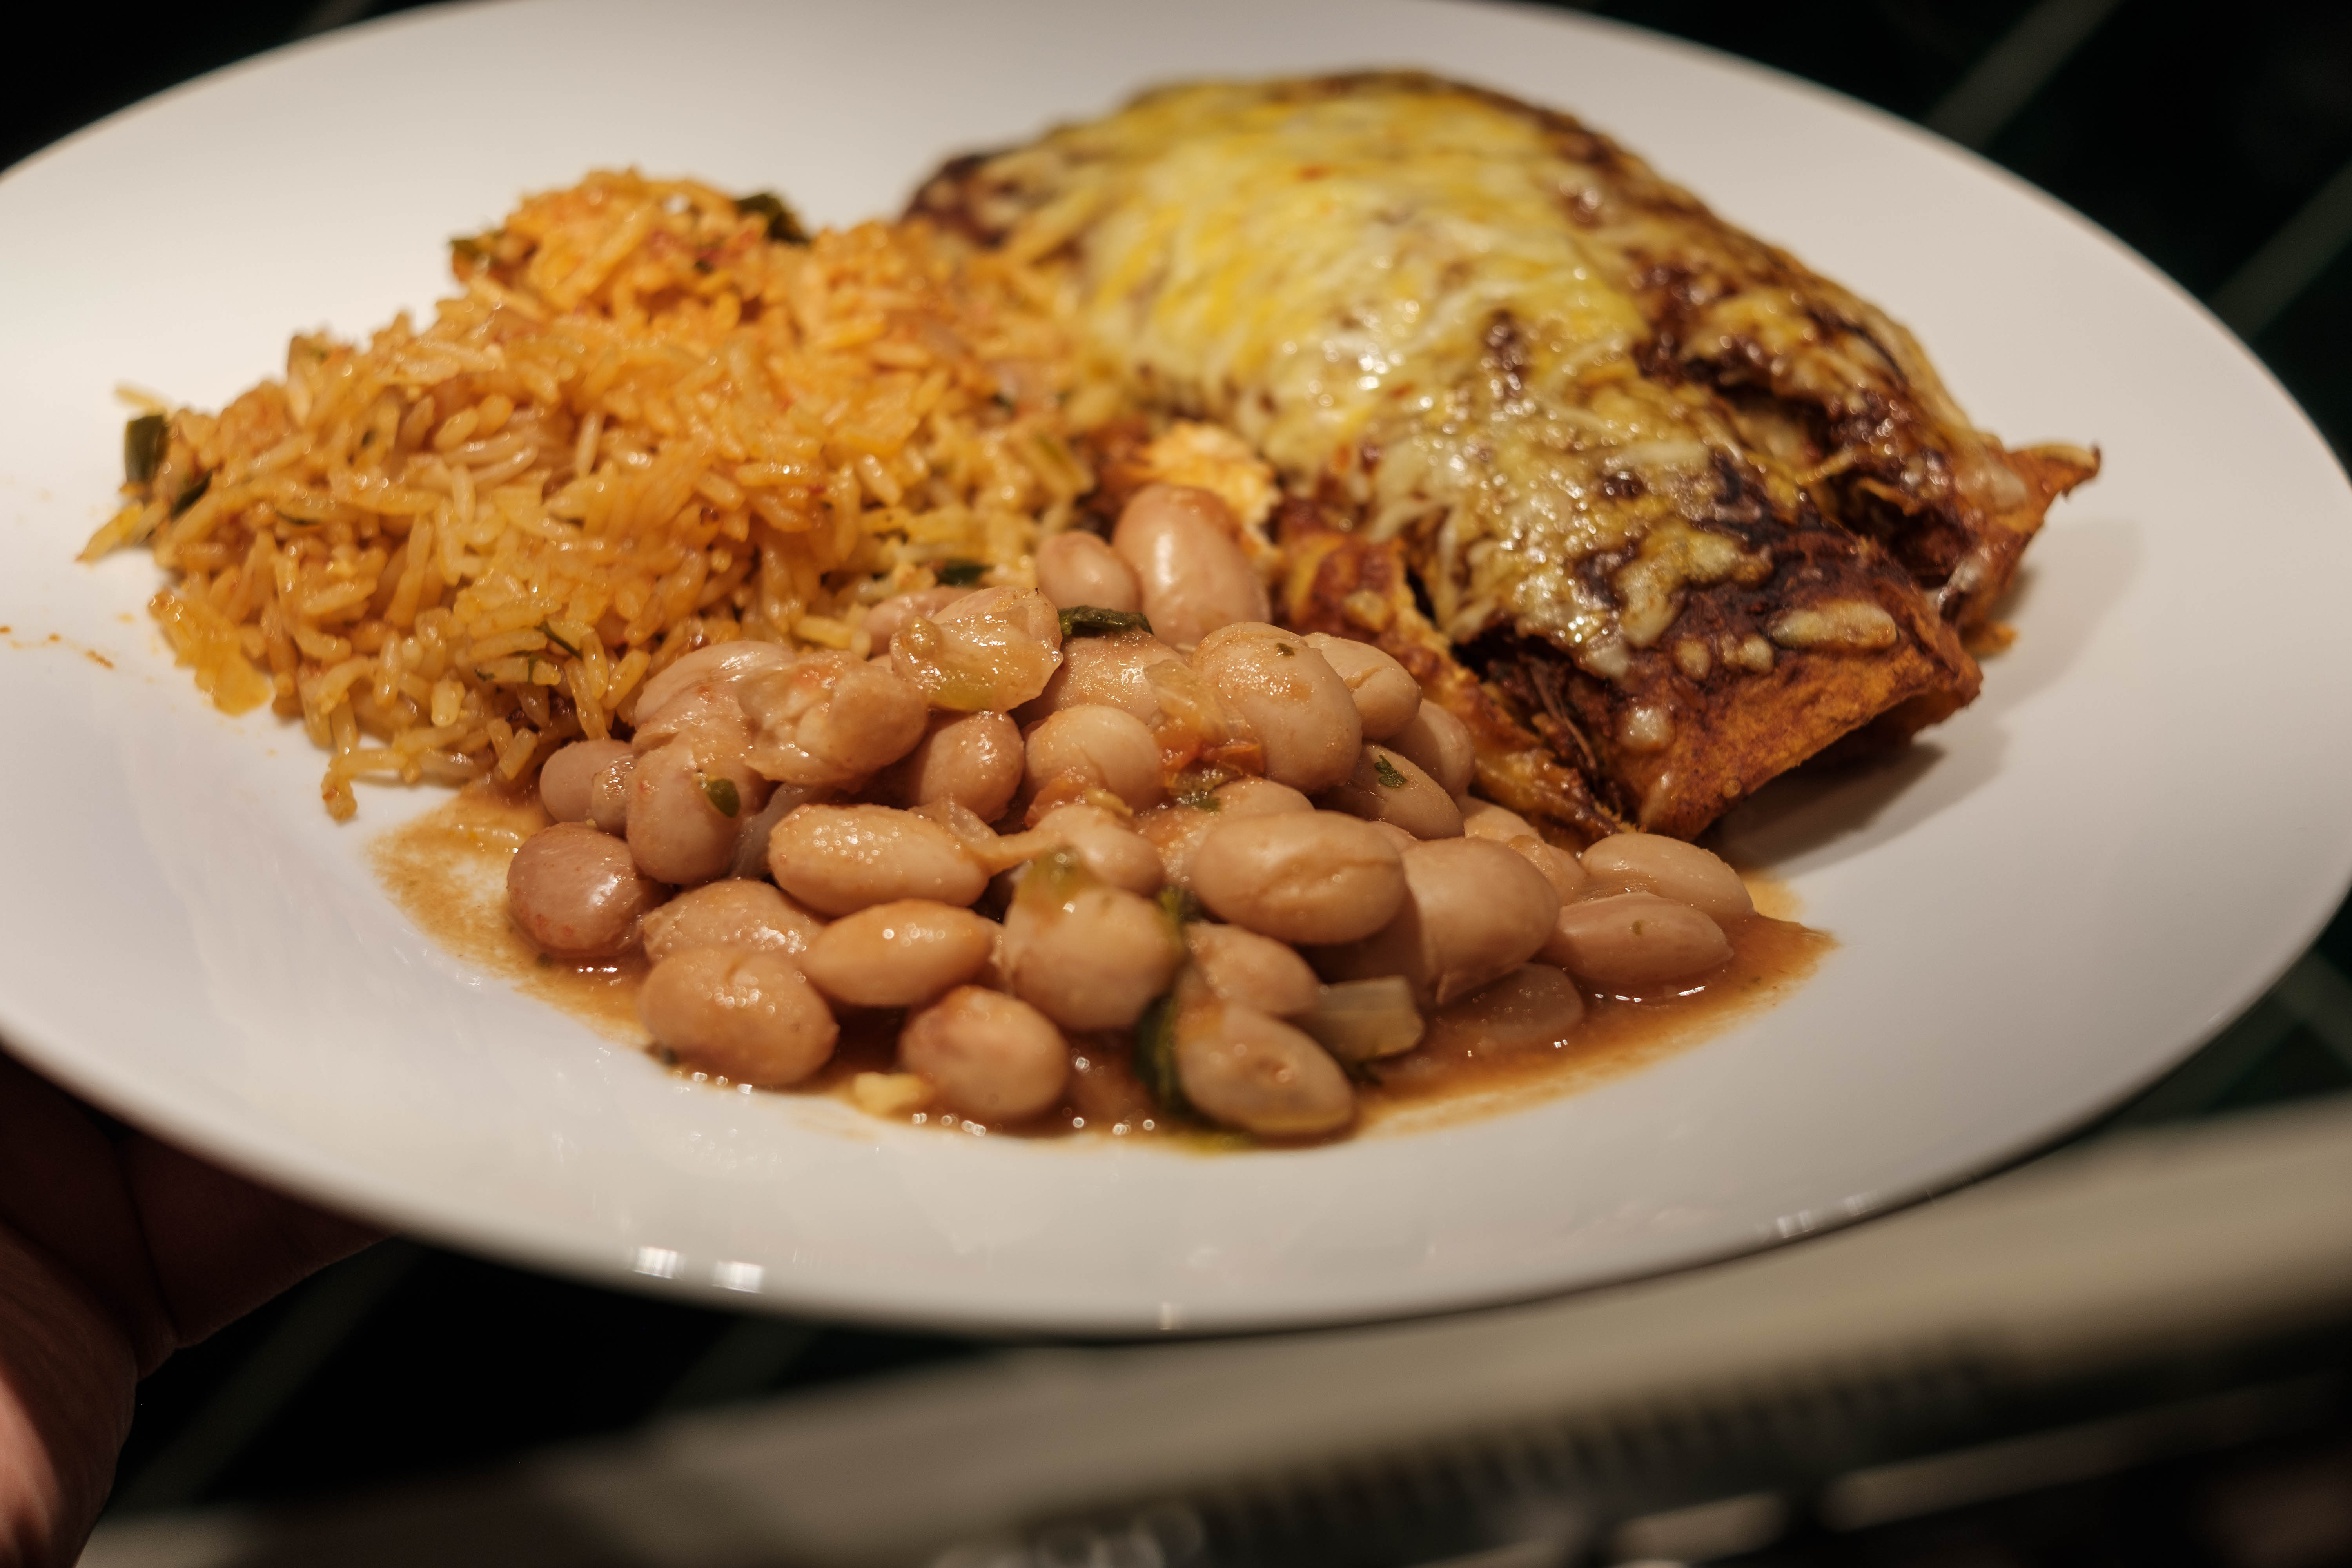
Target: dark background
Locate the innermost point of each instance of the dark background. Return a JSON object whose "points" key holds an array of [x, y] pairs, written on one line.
{"points": [[2217, 140]]}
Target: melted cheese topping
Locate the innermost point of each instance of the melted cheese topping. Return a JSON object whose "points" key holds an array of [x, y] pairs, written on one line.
{"points": [[1384, 289]]}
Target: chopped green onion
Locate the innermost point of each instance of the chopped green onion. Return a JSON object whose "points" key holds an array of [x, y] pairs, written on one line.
{"points": [[1155, 1054], [723, 796], [783, 224], [1202, 800], [959, 573], [1094, 621], [549, 634], [1386, 771], [1286, 651], [144, 440], [1178, 904], [193, 494]]}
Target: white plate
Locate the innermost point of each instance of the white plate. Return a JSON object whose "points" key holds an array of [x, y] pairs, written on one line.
{"points": [[2050, 900]]}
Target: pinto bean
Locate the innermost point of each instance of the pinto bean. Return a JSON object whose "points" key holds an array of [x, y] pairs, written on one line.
{"points": [[1317, 878], [576, 892], [1242, 798], [1176, 832], [1473, 912], [1107, 846], [1440, 745], [1386, 696], [708, 714], [1250, 1070], [700, 699], [898, 955], [750, 1018], [991, 652], [1635, 939], [1652, 863], [1292, 699], [992, 1057], [680, 828], [883, 621], [1254, 970], [1112, 670], [1078, 568], [972, 759], [1387, 787], [750, 857], [608, 796], [1532, 1007], [1086, 955], [1103, 748], [1193, 718], [1190, 573], [830, 720], [1561, 869], [1485, 819], [1023, 609], [838, 859], [750, 916], [569, 772], [718, 668]]}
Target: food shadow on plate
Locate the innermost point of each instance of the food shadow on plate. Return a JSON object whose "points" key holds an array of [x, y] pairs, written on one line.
{"points": [[1820, 815], [2074, 576]]}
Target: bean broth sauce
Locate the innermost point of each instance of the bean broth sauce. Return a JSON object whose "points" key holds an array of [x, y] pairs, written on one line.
{"points": [[447, 870]]}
